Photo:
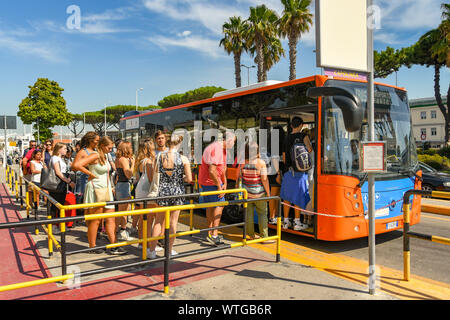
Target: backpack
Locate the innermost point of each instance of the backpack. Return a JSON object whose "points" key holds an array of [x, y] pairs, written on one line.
{"points": [[301, 160]]}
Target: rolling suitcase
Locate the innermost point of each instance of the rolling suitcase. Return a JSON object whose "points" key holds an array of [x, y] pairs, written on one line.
{"points": [[70, 200]]}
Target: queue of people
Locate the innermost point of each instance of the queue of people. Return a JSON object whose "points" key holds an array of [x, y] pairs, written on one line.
{"points": [[101, 170]]}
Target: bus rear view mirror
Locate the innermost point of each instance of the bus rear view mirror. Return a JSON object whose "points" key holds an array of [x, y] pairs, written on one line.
{"points": [[349, 104]]}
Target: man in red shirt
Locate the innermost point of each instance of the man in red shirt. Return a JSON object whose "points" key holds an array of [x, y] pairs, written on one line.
{"points": [[212, 177]]}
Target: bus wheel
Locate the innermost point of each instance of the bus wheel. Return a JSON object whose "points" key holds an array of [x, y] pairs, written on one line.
{"points": [[232, 214]]}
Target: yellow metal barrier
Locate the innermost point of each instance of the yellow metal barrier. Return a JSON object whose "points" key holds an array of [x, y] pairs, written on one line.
{"points": [[408, 234], [167, 210]]}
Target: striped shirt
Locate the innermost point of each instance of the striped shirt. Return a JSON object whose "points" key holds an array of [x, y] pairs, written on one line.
{"points": [[251, 180]]}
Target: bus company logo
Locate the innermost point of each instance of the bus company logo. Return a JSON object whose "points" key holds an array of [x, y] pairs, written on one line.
{"points": [[392, 205]]}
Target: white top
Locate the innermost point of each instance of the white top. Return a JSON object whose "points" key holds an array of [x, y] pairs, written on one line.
{"points": [[62, 164], [36, 177]]}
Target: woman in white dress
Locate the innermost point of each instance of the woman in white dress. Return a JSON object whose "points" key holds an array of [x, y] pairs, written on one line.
{"points": [[97, 167]]}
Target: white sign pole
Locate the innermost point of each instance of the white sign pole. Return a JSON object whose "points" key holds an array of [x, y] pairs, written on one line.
{"points": [[371, 175]]}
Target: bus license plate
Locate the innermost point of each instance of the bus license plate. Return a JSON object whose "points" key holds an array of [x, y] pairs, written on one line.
{"points": [[391, 225]]}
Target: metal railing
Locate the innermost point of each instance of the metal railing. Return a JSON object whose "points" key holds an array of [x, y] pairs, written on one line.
{"points": [[407, 234], [62, 220]]}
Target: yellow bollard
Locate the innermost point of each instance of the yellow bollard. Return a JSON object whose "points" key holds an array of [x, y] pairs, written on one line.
{"points": [[166, 248], [50, 242], [35, 199], [144, 237], [406, 243]]}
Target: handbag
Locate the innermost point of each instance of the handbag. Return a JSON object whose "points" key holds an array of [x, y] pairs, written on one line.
{"points": [[102, 194], [154, 186], [143, 185], [49, 180]]}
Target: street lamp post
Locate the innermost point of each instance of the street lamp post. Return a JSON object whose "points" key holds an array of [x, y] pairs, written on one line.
{"points": [[105, 119], [248, 72], [137, 97]]}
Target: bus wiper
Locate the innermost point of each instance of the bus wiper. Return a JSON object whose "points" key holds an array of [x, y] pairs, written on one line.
{"points": [[361, 181]]}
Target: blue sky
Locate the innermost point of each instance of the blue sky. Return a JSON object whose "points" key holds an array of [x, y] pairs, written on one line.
{"points": [[164, 47]]}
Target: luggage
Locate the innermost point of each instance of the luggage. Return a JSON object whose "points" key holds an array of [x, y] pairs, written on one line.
{"points": [[70, 200]]}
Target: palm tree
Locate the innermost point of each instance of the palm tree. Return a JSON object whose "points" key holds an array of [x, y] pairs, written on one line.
{"points": [[261, 28], [272, 53], [234, 42], [296, 19]]}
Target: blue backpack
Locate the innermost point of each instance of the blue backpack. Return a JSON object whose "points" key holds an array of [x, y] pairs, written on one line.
{"points": [[301, 160]]}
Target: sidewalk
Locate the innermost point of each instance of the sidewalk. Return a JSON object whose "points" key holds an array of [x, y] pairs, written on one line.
{"points": [[231, 274]]}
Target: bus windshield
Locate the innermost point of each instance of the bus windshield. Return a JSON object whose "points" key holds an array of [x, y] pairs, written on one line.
{"points": [[392, 124]]}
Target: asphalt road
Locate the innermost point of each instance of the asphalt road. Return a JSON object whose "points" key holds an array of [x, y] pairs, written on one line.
{"points": [[428, 259]]}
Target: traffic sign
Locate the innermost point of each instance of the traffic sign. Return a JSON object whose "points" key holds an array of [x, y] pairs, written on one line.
{"points": [[11, 122]]}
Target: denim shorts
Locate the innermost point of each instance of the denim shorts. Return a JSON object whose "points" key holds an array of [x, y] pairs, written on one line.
{"points": [[211, 198], [123, 190]]}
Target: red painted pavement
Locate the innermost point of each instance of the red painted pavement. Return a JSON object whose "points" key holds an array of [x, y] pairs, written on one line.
{"points": [[20, 261]]}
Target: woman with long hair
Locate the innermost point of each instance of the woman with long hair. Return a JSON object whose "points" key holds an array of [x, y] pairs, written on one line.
{"points": [[88, 145], [174, 169], [61, 171], [125, 168], [97, 167], [144, 173]]}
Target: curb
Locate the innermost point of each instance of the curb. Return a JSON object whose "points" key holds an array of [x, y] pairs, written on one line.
{"points": [[443, 210]]}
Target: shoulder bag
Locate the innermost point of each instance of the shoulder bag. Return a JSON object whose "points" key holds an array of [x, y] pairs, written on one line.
{"points": [[49, 180], [154, 187]]}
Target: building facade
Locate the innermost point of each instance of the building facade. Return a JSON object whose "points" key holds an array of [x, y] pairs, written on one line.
{"points": [[428, 122]]}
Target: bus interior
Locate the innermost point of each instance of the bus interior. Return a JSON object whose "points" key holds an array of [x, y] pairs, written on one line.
{"points": [[281, 120]]}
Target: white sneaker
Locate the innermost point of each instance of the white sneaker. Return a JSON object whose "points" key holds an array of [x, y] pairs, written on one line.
{"points": [[173, 253], [272, 220], [300, 226], [151, 254], [287, 224], [158, 248], [124, 235]]}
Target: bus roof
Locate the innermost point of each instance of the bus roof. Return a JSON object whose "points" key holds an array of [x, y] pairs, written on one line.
{"points": [[261, 86], [250, 87]]}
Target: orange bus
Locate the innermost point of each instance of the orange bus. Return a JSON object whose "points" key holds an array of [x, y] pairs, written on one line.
{"points": [[334, 110]]}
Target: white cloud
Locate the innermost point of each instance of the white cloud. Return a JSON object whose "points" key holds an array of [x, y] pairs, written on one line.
{"points": [[184, 33], [25, 47], [409, 14], [209, 47], [211, 16]]}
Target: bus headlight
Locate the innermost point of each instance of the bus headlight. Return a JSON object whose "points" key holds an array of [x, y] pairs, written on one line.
{"points": [[356, 205]]}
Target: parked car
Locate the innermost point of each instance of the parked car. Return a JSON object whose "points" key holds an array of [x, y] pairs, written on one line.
{"points": [[434, 180]]}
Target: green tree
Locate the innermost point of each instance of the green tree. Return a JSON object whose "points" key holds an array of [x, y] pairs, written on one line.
{"points": [[295, 20], [390, 61], [46, 104], [261, 30], [77, 121], [234, 43], [189, 96], [431, 51]]}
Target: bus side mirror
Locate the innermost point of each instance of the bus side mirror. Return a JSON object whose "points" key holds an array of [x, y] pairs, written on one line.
{"points": [[349, 104]]}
